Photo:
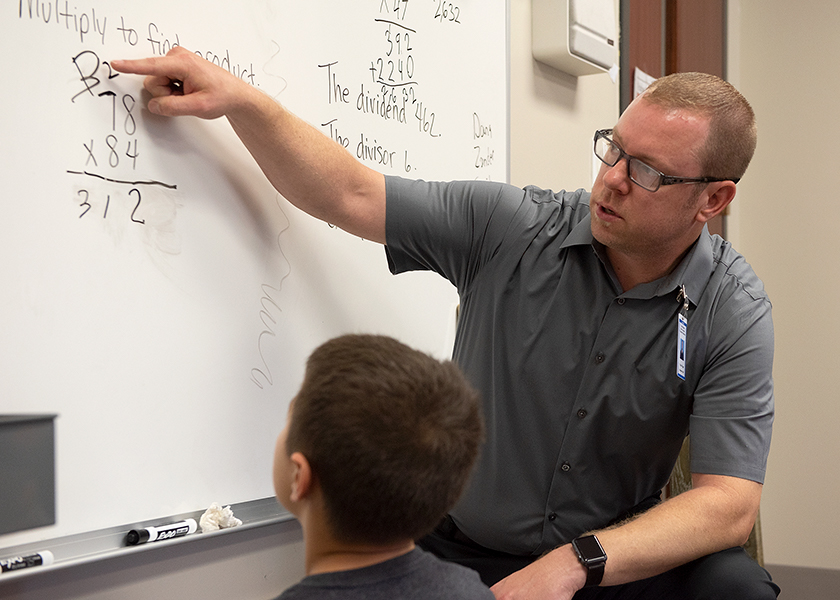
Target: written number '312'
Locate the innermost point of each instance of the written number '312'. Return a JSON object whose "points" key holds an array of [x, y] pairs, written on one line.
{"points": [[84, 196]]}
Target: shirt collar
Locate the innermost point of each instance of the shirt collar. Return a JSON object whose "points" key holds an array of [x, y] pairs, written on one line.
{"points": [[692, 271], [581, 234]]}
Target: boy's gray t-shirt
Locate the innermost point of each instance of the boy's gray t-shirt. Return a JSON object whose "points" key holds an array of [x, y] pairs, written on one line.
{"points": [[417, 575]]}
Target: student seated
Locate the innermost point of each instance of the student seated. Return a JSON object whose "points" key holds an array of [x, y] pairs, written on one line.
{"points": [[378, 445]]}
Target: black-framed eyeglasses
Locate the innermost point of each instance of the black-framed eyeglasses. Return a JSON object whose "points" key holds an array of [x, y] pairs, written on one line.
{"points": [[639, 172]]}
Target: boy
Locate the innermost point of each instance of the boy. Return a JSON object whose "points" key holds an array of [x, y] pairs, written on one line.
{"points": [[378, 445]]}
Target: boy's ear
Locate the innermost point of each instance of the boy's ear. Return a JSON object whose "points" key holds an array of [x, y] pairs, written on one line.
{"points": [[301, 477]]}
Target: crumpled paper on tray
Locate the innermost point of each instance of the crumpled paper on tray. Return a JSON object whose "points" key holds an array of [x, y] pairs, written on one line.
{"points": [[216, 517]]}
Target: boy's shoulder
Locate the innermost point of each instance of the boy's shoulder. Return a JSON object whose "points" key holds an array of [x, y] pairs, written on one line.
{"points": [[415, 575]]}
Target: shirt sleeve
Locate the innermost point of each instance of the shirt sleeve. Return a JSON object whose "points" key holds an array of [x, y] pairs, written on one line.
{"points": [[451, 228], [733, 411]]}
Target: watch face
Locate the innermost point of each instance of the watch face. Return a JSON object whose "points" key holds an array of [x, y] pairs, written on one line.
{"points": [[590, 548]]}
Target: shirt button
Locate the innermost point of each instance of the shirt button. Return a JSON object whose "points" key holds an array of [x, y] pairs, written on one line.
{"points": [[621, 301], [566, 467], [582, 413], [552, 516], [599, 358]]}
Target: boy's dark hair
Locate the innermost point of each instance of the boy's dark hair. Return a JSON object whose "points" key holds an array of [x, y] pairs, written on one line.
{"points": [[391, 435]]}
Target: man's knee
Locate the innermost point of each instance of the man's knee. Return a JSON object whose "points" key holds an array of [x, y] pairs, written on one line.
{"points": [[728, 574]]}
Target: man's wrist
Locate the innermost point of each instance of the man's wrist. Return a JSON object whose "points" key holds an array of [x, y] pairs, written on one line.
{"points": [[568, 563]]}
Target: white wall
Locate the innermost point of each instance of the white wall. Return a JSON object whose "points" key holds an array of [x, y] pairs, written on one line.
{"points": [[784, 58], [553, 116]]}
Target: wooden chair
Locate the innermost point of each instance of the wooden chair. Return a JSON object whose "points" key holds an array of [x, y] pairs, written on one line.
{"points": [[681, 481]]}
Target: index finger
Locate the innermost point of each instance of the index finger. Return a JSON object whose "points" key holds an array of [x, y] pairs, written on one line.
{"points": [[155, 66], [182, 83], [159, 81]]}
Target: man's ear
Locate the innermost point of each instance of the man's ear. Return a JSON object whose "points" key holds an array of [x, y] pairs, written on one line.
{"points": [[717, 197], [301, 477]]}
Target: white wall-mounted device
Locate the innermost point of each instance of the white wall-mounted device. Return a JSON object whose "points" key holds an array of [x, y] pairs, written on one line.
{"points": [[578, 37]]}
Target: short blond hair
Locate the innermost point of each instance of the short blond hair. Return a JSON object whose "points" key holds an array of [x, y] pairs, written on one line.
{"points": [[732, 135]]}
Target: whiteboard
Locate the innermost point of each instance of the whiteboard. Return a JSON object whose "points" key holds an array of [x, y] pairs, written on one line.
{"points": [[158, 294]]}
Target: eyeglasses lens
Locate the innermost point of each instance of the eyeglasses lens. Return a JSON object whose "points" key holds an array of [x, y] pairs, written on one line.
{"points": [[640, 173], [607, 151], [645, 176]]}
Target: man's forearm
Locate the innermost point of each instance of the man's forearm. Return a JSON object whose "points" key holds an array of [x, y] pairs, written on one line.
{"points": [[715, 515], [309, 169]]}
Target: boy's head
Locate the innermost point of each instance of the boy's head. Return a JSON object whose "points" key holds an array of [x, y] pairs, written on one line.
{"points": [[389, 433]]}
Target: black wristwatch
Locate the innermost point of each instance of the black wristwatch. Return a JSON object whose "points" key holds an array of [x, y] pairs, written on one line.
{"points": [[592, 556]]}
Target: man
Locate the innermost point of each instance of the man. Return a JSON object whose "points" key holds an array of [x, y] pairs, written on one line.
{"points": [[378, 445], [598, 329]]}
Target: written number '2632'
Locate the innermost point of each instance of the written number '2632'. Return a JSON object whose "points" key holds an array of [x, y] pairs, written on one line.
{"points": [[448, 11]]}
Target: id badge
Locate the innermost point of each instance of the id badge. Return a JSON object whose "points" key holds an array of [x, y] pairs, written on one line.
{"points": [[682, 327]]}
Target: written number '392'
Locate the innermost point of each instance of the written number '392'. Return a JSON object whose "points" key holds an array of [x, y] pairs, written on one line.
{"points": [[84, 196]]}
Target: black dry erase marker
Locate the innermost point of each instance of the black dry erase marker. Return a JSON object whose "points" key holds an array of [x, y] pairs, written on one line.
{"points": [[177, 87], [164, 532], [14, 563]]}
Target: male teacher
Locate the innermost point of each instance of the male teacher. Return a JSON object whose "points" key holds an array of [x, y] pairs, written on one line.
{"points": [[600, 328]]}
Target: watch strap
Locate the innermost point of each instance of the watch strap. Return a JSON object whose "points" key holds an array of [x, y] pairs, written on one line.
{"points": [[594, 574]]}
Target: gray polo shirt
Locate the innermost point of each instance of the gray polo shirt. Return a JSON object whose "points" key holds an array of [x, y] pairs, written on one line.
{"points": [[584, 409]]}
